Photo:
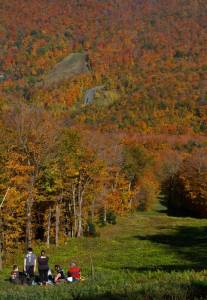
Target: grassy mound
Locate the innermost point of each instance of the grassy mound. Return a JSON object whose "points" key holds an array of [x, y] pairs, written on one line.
{"points": [[73, 64], [145, 256]]}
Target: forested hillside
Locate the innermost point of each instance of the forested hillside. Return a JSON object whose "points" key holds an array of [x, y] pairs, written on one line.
{"points": [[103, 110]]}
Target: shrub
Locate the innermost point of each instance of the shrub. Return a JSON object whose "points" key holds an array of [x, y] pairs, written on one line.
{"points": [[111, 217], [102, 217], [91, 230]]}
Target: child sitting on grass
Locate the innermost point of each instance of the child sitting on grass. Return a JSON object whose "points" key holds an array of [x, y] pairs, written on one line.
{"points": [[60, 276], [15, 276], [73, 273]]}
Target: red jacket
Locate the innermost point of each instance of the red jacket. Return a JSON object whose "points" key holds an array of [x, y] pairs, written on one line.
{"points": [[74, 272]]}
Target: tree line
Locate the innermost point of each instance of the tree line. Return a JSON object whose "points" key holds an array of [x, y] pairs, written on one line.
{"points": [[56, 182], [59, 180]]}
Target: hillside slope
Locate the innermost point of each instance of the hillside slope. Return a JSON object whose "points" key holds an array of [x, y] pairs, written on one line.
{"points": [[152, 53], [145, 256]]}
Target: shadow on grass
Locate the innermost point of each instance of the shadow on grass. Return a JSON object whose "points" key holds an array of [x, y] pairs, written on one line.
{"points": [[198, 289], [195, 290], [109, 296], [188, 242], [165, 268]]}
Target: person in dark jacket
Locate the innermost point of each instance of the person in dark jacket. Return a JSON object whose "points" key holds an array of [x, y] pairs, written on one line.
{"points": [[43, 267], [15, 276]]}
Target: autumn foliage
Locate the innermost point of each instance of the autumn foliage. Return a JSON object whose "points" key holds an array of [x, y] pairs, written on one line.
{"points": [[143, 136]]}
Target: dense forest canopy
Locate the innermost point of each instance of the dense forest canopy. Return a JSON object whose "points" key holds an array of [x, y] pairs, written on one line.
{"points": [[140, 133]]}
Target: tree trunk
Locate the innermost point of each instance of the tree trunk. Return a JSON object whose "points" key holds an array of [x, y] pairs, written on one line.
{"points": [[104, 213], [80, 230], [130, 198], [57, 223], [1, 243], [1, 230], [114, 186], [74, 212], [29, 222], [69, 225], [81, 189], [92, 210], [48, 227], [1, 254], [80, 201], [29, 205]]}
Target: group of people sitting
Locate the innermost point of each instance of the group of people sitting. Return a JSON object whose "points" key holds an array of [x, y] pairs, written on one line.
{"points": [[45, 276]]}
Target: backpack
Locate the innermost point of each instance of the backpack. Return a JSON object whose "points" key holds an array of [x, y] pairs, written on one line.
{"points": [[30, 259]]}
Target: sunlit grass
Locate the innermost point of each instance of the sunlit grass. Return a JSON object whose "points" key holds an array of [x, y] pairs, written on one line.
{"points": [[144, 256]]}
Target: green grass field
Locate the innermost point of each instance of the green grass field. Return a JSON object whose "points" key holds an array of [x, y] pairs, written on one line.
{"points": [[144, 256]]}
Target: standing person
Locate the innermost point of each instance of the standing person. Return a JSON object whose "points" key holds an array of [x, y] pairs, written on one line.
{"points": [[43, 267], [30, 264]]}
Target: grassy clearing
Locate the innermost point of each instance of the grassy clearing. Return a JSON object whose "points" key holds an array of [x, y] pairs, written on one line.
{"points": [[73, 64], [145, 256]]}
